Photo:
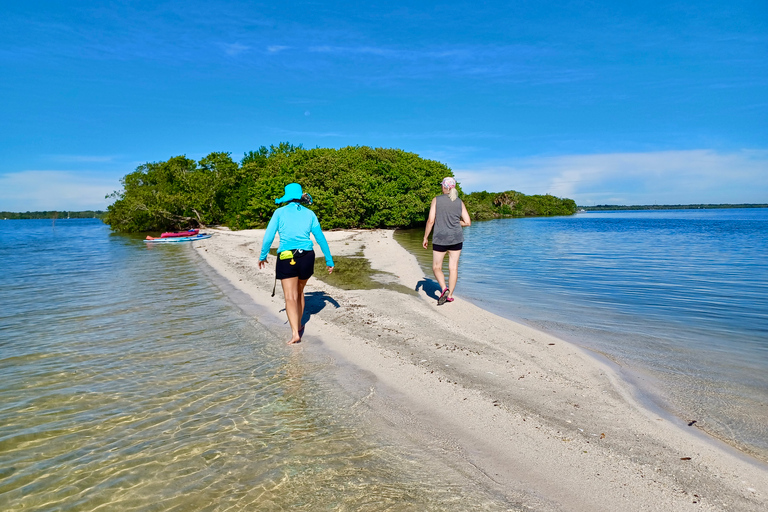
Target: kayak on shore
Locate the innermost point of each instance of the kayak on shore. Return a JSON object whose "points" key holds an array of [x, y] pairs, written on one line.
{"points": [[200, 236], [174, 234]]}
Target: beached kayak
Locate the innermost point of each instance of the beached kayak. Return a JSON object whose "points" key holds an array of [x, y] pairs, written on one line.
{"points": [[176, 234], [202, 236]]}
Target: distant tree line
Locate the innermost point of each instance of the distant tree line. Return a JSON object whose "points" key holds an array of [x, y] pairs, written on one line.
{"points": [[352, 187], [492, 205], [603, 207], [86, 214]]}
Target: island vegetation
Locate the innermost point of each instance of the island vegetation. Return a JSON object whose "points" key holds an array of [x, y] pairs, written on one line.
{"points": [[492, 205], [352, 187]]}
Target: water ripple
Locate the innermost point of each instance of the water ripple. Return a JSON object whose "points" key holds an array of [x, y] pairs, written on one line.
{"points": [[129, 382]]}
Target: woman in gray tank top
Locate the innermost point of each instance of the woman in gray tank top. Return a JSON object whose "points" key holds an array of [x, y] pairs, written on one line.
{"points": [[447, 214]]}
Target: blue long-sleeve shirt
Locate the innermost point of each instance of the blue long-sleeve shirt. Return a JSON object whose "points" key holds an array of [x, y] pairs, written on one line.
{"points": [[294, 223]]}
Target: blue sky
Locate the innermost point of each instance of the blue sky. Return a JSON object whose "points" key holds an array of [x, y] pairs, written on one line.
{"points": [[603, 102]]}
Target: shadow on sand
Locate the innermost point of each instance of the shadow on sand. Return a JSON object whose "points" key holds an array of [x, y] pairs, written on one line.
{"points": [[430, 287], [315, 302]]}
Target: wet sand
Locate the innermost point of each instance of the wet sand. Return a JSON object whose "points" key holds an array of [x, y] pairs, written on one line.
{"points": [[537, 419]]}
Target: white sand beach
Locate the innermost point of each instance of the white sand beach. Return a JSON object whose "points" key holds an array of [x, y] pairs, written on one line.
{"points": [[532, 415]]}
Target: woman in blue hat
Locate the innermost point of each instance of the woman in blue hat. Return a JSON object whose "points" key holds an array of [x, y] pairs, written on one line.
{"points": [[295, 256]]}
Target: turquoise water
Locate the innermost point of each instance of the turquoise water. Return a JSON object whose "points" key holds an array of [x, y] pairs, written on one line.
{"points": [[678, 298], [130, 381]]}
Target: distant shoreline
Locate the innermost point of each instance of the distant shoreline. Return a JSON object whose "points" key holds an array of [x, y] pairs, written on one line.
{"points": [[602, 207], [83, 214], [88, 214]]}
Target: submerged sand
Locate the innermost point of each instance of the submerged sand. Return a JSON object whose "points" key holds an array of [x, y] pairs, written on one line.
{"points": [[532, 415]]}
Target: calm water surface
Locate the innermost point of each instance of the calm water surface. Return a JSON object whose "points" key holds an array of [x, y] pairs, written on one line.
{"points": [[680, 297], [129, 381]]}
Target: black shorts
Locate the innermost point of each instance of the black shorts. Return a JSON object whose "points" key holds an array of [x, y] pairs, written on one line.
{"points": [[303, 265], [443, 248]]}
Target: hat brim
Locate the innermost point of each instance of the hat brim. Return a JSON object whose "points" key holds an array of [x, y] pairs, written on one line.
{"points": [[285, 199], [292, 192]]}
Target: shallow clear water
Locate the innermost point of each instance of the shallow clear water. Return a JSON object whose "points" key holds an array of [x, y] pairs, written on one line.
{"points": [[129, 381], [680, 297]]}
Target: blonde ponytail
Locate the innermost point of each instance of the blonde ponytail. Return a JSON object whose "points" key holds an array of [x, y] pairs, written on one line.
{"points": [[453, 194]]}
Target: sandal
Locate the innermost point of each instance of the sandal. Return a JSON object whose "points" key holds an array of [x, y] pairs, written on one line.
{"points": [[443, 297]]}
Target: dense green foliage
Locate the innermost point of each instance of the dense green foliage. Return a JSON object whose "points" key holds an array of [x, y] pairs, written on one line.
{"points": [[175, 194], [352, 187], [491, 205], [87, 214]]}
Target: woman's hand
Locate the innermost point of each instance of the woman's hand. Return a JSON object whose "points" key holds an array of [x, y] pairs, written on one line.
{"points": [[330, 270], [262, 264], [425, 242]]}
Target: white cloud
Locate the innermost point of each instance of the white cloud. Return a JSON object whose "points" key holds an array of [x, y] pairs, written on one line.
{"points": [[235, 49], [276, 48], [80, 159], [359, 50], [55, 190], [664, 177]]}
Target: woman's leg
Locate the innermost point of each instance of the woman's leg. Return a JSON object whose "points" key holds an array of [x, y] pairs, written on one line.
{"points": [[302, 284], [437, 268], [294, 305], [453, 270]]}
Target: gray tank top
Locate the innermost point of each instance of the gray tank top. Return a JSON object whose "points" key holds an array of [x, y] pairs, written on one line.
{"points": [[447, 216]]}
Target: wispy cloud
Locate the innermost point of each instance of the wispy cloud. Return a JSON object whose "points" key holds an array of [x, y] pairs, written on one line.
{"points": [[299, 133], [516, 63], [82, 158], [55, 190], [235, 49], [358, 50], [665, 177], [376, 138], [443, 135]]}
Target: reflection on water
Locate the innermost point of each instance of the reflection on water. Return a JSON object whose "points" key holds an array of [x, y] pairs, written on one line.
{"points": [[129, 382], [680, 296]]}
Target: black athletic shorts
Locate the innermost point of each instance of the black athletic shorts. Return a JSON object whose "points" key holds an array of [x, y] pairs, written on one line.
{"points": [[443, 248], [303, 265]]}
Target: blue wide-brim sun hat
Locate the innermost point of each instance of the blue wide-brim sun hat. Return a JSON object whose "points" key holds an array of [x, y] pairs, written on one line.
{"points": [[292, 191]]}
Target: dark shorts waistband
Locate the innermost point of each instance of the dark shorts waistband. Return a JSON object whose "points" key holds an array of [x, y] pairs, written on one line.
{"points": [[444, 248]]}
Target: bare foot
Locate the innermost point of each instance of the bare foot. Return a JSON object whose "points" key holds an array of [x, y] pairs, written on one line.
{"points": [[294, 340]]}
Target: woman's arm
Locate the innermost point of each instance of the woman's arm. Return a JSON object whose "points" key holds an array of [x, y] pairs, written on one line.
{"points": [[465, 220], [269, 236], [317, 232], [430, 222]]}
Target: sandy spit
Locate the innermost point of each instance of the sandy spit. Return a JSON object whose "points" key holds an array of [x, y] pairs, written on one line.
{"points": [[532, 415]]}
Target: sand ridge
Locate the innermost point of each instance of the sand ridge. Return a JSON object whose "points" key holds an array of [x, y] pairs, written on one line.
{"points": [[531, 414]]}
